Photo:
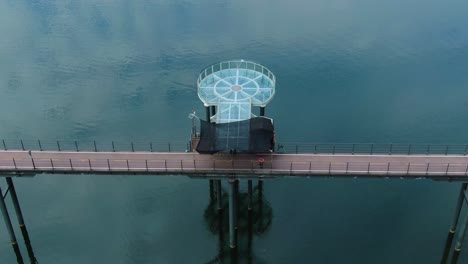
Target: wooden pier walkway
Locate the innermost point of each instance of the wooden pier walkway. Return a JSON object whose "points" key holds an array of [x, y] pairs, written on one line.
{"points": [[438, 167]]}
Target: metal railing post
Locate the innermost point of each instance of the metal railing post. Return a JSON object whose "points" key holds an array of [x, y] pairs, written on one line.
{"points": [[391, 148], [446, 149], [76, 146], [133, 148], [297, 148], [58, 145], [4, 145], [169, 145], [427, 168], [448, 166], [352, 150], [89, 162], [108, 164], [52, 164], [71, 164], [40, 145], [34, 165], [368, 168], [428, 150], [407, 171], [372, 149], [329, 168], [95, 146], [347, 165], [128, 166], [14, 163], [22, 144], [113, 146], [151, 146], [146, 163]]}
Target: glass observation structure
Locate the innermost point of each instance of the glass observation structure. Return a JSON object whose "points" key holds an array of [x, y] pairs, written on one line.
{"points": [[234, 87]]}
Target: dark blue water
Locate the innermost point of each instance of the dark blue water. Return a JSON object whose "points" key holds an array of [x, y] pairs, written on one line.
{"points": [[347, 71]]}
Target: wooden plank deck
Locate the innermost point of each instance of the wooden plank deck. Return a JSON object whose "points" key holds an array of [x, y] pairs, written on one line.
{"points": [[440, 167]]}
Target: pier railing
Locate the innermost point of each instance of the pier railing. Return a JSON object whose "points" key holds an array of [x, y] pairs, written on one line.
{"points": [[223, 167], [94, 146], [372, 148], [286, 147]]}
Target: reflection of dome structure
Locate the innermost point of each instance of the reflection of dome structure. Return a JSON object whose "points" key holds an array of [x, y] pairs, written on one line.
{"points": [[234, 87]]}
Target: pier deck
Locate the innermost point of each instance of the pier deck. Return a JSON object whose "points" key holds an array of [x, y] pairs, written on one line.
{"points": [[439, 167]]}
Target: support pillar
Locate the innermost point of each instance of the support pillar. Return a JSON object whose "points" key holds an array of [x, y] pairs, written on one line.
{"points": [[262, 111], [9, 226], [461, 237], [211, 190], [208, 115], [22, 225], [232, 209], [453, 227], [219, 194], [236, 204], [213, 110], [221, 244], [249, 191]]}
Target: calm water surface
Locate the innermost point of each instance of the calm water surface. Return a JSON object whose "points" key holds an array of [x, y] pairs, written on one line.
{"points": [[347, 71]]}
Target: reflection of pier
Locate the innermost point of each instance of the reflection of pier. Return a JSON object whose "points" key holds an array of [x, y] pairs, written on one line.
{"points": [[251, 215]]}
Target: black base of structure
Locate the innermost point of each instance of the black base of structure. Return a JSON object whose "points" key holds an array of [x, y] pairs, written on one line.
{"points": [[453, 230]]}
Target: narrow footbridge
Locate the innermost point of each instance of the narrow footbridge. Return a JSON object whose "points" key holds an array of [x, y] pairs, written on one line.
{"points": [[437, 162]]}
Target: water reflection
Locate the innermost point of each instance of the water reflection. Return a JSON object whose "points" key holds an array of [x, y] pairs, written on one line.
{"points": [[250, 223]]}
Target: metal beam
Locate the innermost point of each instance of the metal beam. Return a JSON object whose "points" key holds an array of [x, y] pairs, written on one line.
{"points": [[453, 227], [9, 226], [19, 215]]}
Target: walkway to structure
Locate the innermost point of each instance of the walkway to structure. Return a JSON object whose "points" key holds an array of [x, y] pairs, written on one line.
{"points": [[440, 167]]}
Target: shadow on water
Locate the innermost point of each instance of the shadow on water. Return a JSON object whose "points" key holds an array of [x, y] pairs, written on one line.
{"points": [[250, 223]]}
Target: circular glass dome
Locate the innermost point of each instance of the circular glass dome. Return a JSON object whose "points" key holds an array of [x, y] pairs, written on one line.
{"points": [[236, 81]]}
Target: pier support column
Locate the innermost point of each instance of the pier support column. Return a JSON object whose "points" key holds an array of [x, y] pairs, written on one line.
{"points": [[236, 205], [219, 194], [453, 227], [461, 237], [249, 191], [213, 110], [232, 214], [208, 115], [6, 218], [19, 215], [211, 190]]}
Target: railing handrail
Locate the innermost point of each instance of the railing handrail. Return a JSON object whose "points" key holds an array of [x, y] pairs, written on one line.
{"points": [[223, 165], [281, 147], [95, 145]]}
